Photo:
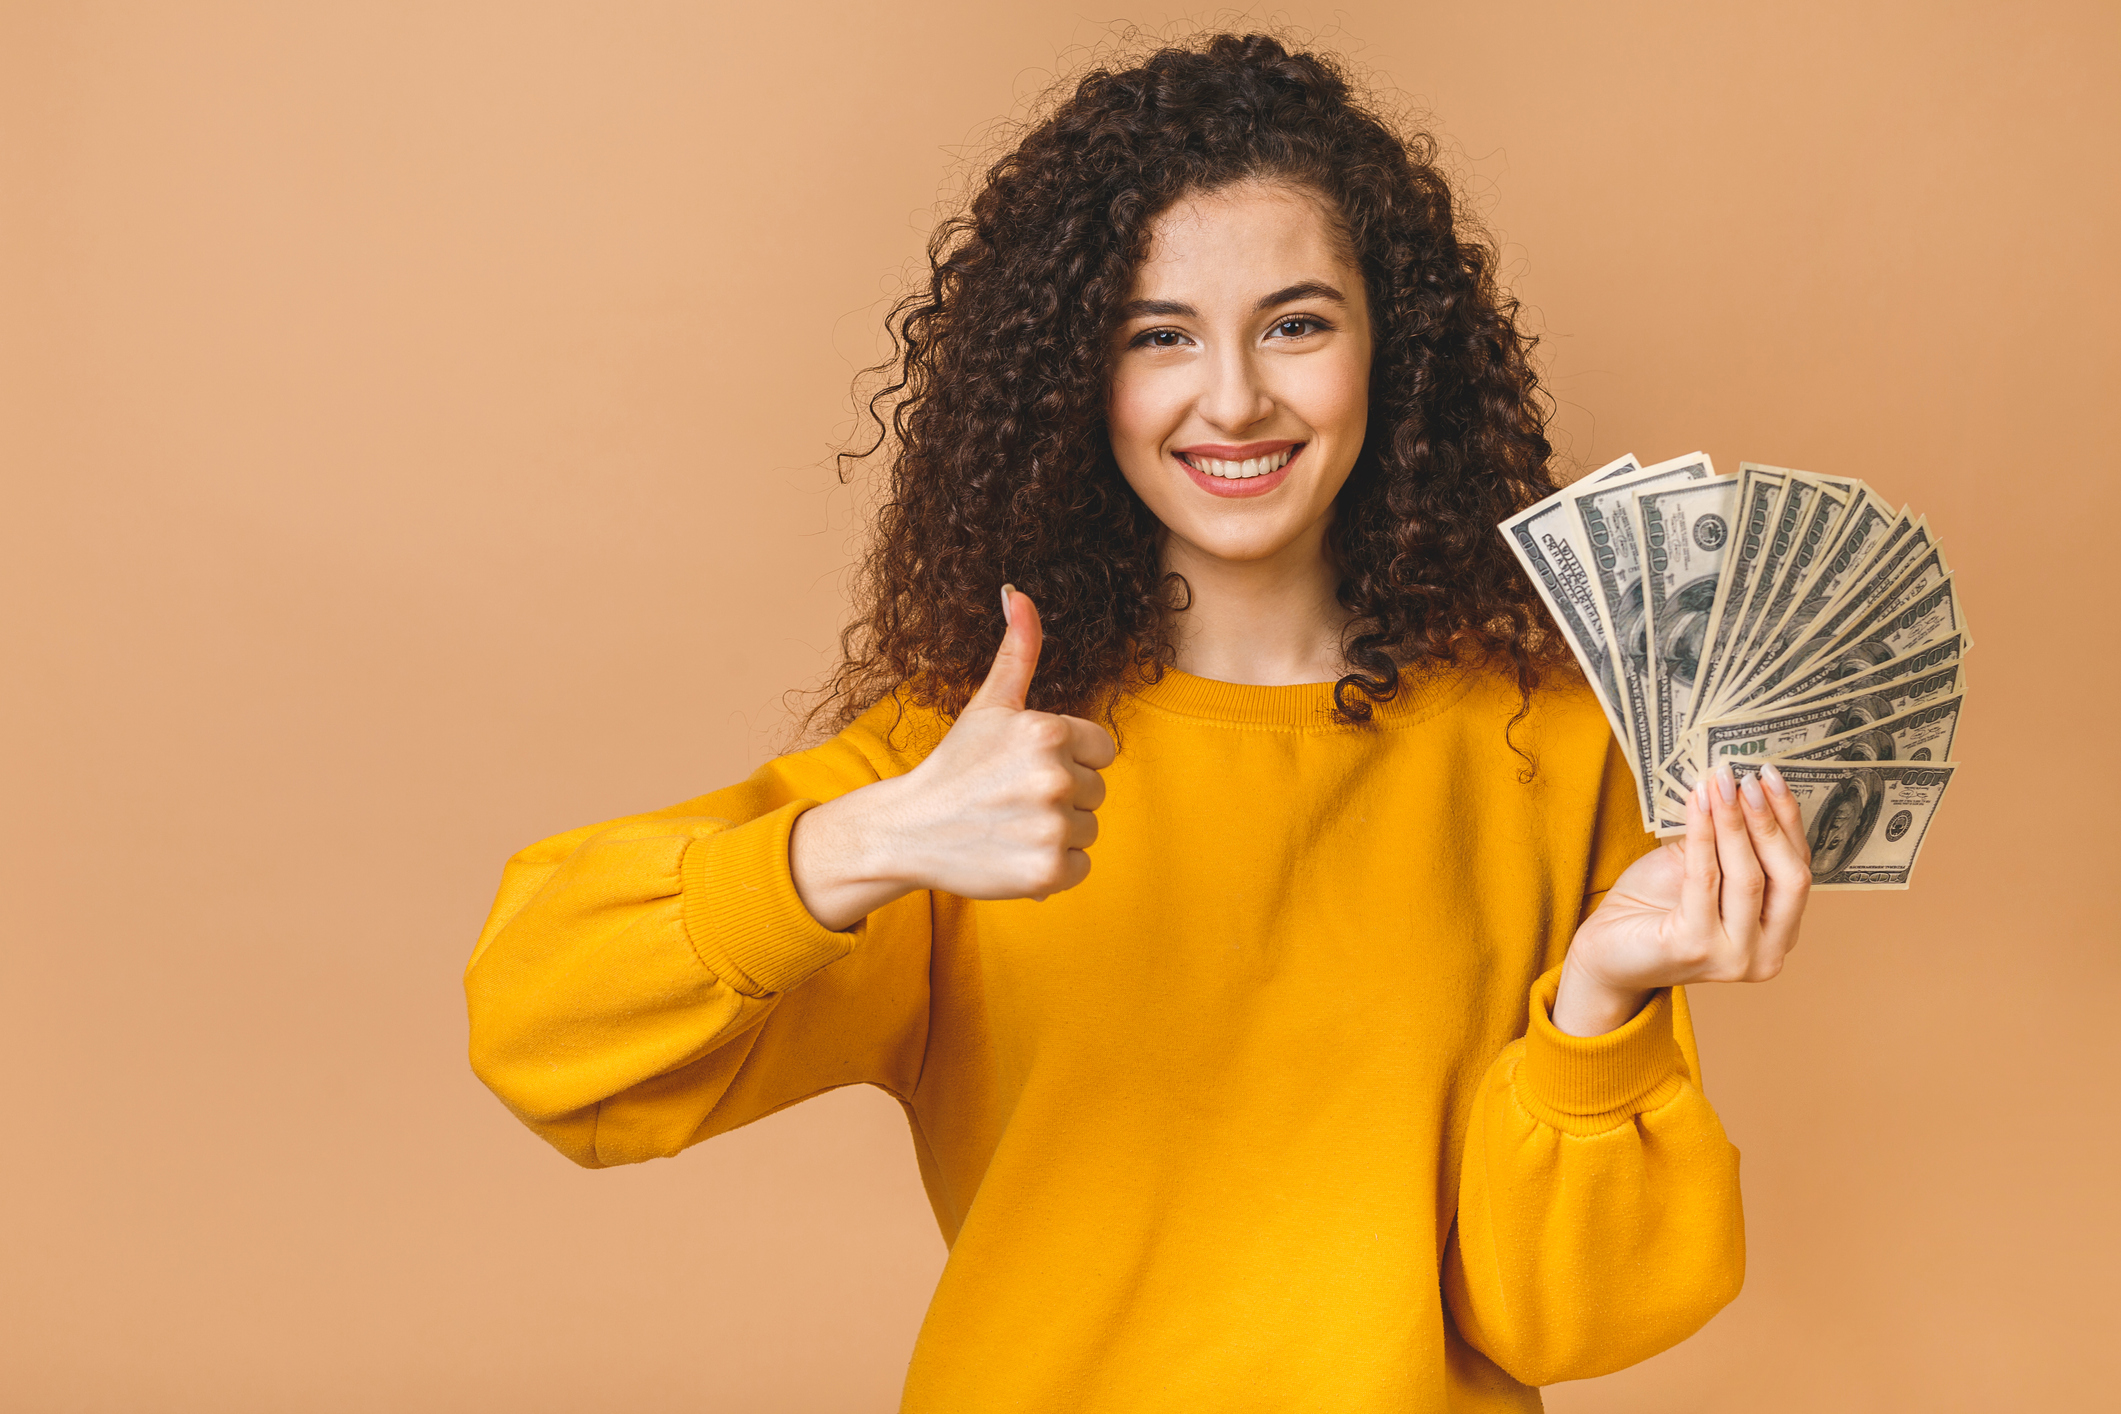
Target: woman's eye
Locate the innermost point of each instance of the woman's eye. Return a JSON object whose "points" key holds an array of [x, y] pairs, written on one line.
{"points": [[1161, 339], [1296, 327]]}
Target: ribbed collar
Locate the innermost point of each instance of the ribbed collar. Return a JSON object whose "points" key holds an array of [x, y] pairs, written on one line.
{"points": [[1423, 692]]}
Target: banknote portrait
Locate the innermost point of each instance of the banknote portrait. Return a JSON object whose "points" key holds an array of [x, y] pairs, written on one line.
{"points": [[1631, 628], [1858, 659], [1680, 635], [1844, 823], [1873, 745], [1861, 712]]}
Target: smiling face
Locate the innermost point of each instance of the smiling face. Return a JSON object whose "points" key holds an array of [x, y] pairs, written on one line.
{"points": [[1240, 375]]}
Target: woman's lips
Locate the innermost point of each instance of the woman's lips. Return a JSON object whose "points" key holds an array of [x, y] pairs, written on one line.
{"points": [[1232, 487]]}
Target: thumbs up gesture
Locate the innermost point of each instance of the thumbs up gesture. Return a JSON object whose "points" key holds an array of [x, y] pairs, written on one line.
{"points": [[1010, 793], [1004, 807]]}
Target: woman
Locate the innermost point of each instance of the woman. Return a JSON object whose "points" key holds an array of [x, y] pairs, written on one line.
{"points": [[1303, 1097]]}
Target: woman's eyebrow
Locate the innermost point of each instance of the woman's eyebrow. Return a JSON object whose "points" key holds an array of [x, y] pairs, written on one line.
{"points": [[1303, 289], [1149, 308], [1176, 309]]}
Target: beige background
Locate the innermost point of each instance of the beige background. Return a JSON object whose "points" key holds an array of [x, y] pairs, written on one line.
{"points": [[414, 433]]}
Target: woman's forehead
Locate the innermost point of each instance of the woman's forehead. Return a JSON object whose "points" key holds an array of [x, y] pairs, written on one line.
{"points": [[1238, 242]]}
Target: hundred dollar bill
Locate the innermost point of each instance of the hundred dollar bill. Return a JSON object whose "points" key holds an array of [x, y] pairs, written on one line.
{"points": [[1797, 493], [1616, 565], [1788, 730], [1857, 675], [1619, 468], [1685, 533], [1922, 733], [1759, 491], [1899, 682], [1669, 808], [1910, 579], [1548, 541], [1924, 622], [1871, 533], [1916, 577], [1814, 533], [1865, 820], [1762, 675]]}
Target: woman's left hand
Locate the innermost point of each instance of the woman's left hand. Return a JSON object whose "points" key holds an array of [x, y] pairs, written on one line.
{"points": [[1722, 905]]}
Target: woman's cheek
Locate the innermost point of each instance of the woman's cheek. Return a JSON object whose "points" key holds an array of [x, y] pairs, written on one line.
{"points": [[1347, 395], [1331, 394], [1137, 439], [1136, 418]]}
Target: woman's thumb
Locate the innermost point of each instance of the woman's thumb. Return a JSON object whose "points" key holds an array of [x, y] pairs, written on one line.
{"points": [[1009, 680]]}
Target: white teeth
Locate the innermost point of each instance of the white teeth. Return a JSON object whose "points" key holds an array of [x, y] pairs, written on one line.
{"points": [[1245, 470]]}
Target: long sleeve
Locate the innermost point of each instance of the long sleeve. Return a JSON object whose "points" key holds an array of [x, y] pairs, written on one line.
{"points": [[1598, 1203], [648, 982], [1598, 1210]]}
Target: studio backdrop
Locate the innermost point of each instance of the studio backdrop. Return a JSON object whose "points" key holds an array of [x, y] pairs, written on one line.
{"points": [[416, 428]]}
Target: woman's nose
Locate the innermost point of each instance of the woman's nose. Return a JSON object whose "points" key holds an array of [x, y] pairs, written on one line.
{"points": [[1236, 396]]}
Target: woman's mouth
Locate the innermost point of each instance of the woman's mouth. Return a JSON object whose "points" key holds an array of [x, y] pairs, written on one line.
{"points": [[1253, 475]]}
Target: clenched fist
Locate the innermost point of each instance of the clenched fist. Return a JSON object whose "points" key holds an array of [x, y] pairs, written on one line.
{"points": [[1003, 808]]}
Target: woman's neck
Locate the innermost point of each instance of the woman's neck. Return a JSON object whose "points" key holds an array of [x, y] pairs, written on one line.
{"points": [[1266, 623]]}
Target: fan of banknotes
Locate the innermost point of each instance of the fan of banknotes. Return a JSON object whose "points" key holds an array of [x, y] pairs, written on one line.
{"points": [[1771, 616]]}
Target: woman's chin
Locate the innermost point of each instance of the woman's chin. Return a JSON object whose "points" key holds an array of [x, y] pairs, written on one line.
{"points": [[1238, 546]]}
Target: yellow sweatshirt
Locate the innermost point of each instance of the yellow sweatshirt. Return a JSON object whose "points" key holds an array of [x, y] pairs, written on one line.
{"points": [[1266, 1115]]}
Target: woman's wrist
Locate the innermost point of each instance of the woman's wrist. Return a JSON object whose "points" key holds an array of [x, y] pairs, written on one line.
{"points": [[844, 856], [1586, 1005]]}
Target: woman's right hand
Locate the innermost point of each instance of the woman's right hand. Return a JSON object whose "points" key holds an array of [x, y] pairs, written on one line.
{"points": [[1004, 807]]}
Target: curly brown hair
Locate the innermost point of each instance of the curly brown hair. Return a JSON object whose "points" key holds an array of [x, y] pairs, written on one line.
{"points": [[1000, 465]]}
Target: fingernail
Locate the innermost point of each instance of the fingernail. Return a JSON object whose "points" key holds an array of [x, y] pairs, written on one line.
{"points": [[1774, 780], [1753, 797], [1701, 792], [1726, 783], [1007, 590]]}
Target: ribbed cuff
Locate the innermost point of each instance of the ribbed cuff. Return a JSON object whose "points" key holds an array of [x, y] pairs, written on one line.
{"points": [[743, 914], [1600, 1077]]}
